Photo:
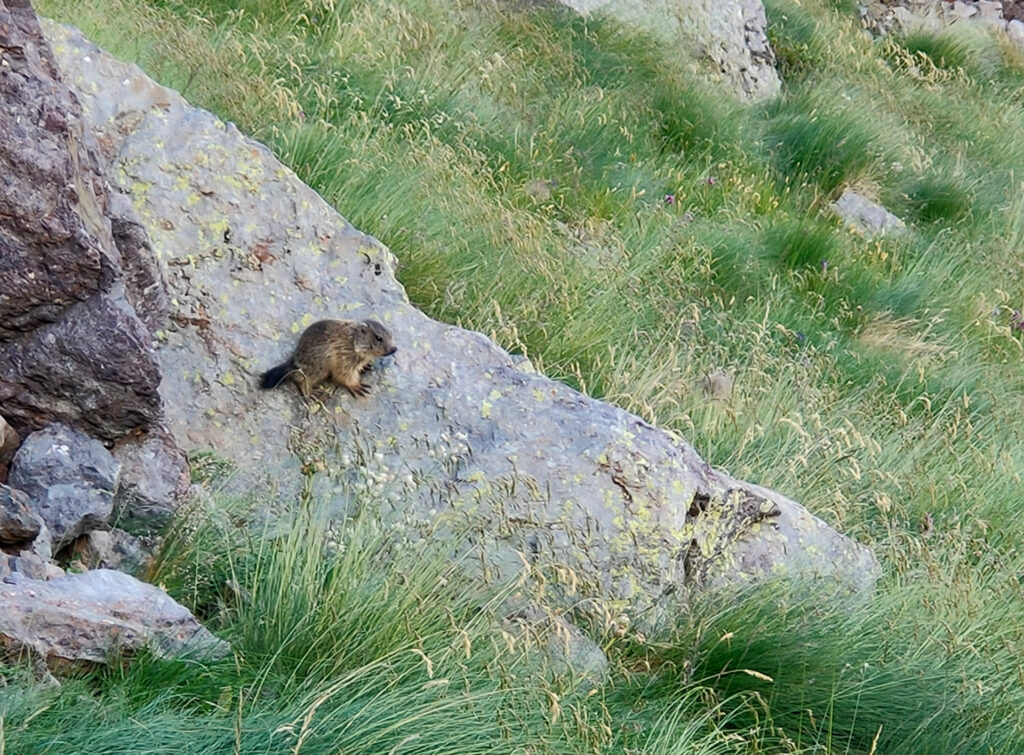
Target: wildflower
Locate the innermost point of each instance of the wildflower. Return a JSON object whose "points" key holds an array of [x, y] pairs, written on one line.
{"points": [[670, 199], [712, 180]]}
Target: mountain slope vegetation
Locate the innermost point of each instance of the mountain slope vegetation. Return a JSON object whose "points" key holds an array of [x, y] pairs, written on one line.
{"points": [[588, 198]]}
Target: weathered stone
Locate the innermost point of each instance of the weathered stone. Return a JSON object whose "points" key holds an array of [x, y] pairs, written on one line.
{"points": [[97, 616], [453, 432], [990, 10], [935, 16], [18, 523], [962, 10], [144, 284], [9, 441], [71, 347], [70, 480], [154, 481], [865, 217], [33, 566], [1015, 31], [732, 34], [115, 549]]}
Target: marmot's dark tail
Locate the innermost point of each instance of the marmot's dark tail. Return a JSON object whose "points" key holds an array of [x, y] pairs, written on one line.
{"points": [[274, 376]]}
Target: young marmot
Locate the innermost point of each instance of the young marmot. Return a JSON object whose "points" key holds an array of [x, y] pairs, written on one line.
{"points": [[338, 350]]}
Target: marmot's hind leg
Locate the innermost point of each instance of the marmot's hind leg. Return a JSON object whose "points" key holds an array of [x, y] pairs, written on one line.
{"points": [[351, 382]]}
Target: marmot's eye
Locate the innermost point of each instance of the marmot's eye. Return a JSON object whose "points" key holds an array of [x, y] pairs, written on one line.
{"points": [[377, 337]]}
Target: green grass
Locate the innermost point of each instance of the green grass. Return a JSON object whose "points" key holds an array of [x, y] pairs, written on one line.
{"points": [[877, 382]]}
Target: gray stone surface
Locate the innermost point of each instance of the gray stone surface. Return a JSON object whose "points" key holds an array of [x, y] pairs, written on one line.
{"points": [[30, 565], [454, 435], [564, 649], [113, 549], [94, 617], [18, 523], [69, 479], [71, 346], [865, 217], [154, 481], [731, 34]]}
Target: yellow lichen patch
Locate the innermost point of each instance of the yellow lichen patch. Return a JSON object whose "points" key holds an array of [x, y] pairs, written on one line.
{"points": [[485, 409]]}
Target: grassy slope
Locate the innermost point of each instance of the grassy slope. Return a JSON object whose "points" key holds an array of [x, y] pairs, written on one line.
{"points": [[877, 382]]}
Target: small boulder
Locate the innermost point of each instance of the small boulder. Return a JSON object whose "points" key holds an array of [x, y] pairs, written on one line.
{"points": [[70, 480], [90, 618], [154, 480], [865, 217], [31, 566], [115, 549], [18, 523]]}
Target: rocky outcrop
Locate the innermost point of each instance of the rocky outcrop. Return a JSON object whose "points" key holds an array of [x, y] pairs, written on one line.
{"points": [[455, 435], [90, 618], [730, 34], [885, 16], [72, 347]]}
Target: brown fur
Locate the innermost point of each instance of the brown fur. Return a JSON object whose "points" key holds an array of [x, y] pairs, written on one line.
{"points": [[335, 350]]}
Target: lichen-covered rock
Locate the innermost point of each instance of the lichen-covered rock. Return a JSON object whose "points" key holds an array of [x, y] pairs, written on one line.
{"points": [[454, 434], [96, 616], [731, 34], [69, 479], [71, 347]]}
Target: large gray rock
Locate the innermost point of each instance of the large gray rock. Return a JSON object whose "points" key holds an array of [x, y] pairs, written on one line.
{"points": [[454, 435], [731, 34], [91, 618], [69, 479], [72, 348]]}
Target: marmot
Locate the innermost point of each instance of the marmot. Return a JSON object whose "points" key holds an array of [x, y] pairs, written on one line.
{"points": [[338, 350]]}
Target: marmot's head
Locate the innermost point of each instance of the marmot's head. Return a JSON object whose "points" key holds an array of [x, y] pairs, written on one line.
{"points": [[373, 338]]}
